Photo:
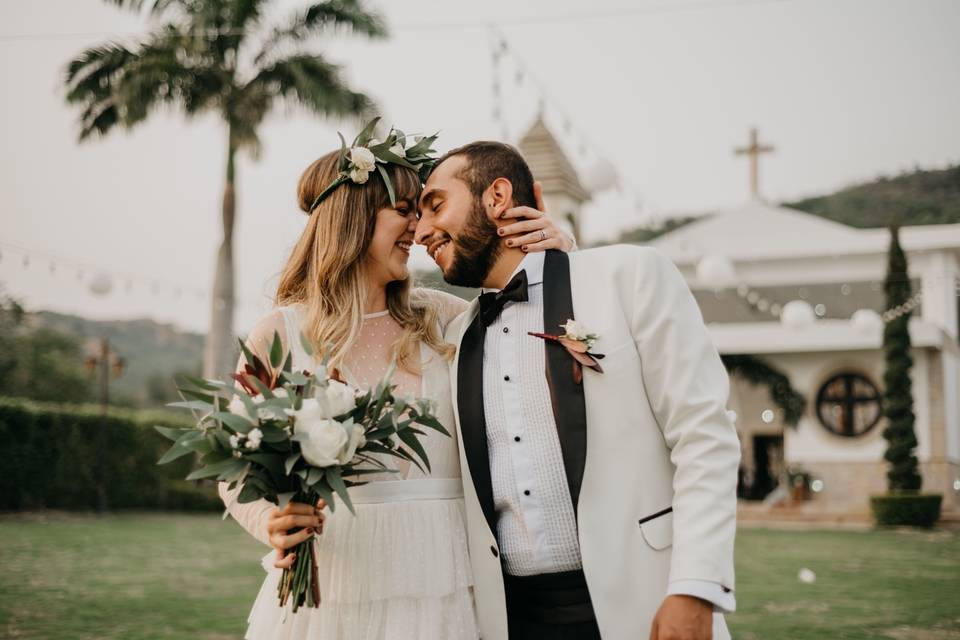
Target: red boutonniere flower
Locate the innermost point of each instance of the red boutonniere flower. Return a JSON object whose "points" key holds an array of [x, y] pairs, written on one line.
{"points": [[578, 342]]}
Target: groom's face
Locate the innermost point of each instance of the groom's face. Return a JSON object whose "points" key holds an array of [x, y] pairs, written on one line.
{"points": [[454, 227]]}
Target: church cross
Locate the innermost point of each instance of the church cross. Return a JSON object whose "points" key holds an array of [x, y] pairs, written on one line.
{"points": [[754, 150]]}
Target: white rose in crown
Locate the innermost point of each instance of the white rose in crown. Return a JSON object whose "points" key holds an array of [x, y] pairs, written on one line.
{"points": [[362, 162]]}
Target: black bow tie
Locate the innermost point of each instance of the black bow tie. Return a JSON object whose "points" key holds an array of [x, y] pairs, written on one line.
{"points": [[492, 303]]}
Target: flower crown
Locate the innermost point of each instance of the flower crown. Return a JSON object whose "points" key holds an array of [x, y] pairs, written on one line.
{"points": [[366, 154]]}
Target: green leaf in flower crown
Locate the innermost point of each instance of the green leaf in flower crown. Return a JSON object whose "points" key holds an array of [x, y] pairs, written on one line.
{"points": [[386, 181], [193, 405], [336, 483], [276, 350], [393, 158], [342, 161], [422, 147], [288, 362], [366, 134]]}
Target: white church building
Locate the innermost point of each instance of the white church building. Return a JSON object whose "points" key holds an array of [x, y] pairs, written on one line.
{"points": [[804, 295]]}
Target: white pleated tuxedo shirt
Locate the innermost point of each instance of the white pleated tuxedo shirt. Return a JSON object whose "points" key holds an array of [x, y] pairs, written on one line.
{"points": [[536, 526]]}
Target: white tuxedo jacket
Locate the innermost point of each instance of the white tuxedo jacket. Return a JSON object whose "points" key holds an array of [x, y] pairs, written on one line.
{"points": [[657, 493]]}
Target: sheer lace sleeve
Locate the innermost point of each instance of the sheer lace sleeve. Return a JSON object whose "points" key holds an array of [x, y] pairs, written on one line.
{"points": [[253, 516], [448, 305]]}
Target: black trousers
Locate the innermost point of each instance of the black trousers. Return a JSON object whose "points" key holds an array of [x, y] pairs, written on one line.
{"points": [[552, 606]]}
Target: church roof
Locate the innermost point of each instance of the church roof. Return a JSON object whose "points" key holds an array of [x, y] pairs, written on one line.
{"points": [[549, 164], [759, 231]]}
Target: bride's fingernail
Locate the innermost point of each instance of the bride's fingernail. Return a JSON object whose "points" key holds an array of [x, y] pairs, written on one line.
{"points": [[509, 243], [500, 231], [525, 248]]}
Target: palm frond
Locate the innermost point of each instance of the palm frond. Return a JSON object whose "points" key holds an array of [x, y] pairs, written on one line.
{"points": [[345, 14], [117, 85], [311, 82]]}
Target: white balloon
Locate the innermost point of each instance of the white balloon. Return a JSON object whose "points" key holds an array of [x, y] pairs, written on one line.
{"points": [[866, 321], [600, 176], [797, 314], [716, 271], [101, 285]]}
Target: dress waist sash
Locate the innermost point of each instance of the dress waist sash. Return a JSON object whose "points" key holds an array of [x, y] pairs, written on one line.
{"points": [[407, 490]]}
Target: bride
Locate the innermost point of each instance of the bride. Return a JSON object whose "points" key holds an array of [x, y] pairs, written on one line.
{"points": [[399, 569]]}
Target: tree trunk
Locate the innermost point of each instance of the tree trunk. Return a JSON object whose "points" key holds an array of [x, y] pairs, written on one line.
{"points": [[219, 351]]}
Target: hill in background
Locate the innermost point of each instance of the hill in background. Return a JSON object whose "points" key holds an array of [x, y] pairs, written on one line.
{"points": [[916, 198]]}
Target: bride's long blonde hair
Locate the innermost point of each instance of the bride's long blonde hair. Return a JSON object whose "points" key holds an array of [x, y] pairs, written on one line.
{"points": [[325, 269]]}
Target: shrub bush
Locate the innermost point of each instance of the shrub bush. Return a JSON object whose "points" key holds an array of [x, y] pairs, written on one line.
{"points": [[914, 510], [50, 454]]}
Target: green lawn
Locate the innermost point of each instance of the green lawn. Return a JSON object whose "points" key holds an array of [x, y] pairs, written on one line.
{"points": [[194, 576]]}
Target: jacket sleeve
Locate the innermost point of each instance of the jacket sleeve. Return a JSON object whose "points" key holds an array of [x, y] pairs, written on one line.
{"points": [[687, 387]]}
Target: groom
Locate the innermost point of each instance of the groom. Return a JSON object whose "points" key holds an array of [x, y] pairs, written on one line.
{"points": [[599, 504]]}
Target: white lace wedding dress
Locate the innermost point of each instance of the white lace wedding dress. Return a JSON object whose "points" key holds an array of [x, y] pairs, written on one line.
{"points": [[399, 569]]}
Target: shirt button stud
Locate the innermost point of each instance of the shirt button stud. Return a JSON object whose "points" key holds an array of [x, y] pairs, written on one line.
{"points": [[506, 329], [526, 492], [507, 378], [516, 438]]}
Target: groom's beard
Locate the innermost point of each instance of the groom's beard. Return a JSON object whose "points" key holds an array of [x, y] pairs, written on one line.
{"points": [[475, 250]]}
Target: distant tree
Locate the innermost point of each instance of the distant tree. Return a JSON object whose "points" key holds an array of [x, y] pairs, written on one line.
{"points": [[903, 475], [41, 364], [646, 233], [218, 56]]}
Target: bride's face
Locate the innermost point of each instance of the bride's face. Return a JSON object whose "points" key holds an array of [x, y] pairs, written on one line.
{"points": [[389, 249]]}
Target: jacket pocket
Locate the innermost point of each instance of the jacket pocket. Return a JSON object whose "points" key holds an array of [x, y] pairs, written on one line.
{"points": [[657, 528]]}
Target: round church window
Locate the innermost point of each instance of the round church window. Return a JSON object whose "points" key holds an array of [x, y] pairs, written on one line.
{"points": [[848, 404]]}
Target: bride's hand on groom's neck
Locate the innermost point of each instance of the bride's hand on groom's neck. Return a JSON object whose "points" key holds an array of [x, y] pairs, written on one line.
{"points": [[533, 230]]}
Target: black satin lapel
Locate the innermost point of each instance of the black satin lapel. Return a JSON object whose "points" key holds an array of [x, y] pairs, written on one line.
{"points": [[473, 426], [567, 398]]}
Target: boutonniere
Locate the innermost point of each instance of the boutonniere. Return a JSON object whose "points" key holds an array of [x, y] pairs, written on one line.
{"points": [[578, 342]]}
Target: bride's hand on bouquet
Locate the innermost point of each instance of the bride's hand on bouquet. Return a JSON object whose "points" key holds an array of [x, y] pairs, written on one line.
{"points": [[534, 230], [296, 514]]}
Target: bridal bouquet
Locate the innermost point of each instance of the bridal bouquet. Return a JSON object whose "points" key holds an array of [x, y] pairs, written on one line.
{"points": [[289, 435]]}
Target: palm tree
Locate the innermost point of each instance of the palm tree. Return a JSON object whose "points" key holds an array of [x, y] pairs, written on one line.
{"points": [[219, 56]]}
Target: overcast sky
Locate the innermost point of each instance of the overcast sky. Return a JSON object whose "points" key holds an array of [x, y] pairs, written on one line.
{"points": [[663, 89]]}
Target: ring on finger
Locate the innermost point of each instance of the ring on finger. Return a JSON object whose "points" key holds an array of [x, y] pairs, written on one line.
{"points": [[543, 235]]}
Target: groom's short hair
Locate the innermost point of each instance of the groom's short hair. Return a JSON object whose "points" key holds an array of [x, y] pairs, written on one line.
{"points": [[488, 160]]}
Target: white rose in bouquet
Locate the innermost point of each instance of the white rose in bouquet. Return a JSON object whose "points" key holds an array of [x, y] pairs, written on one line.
{"points": [[356, 440], [337, 399], [324, 439]]}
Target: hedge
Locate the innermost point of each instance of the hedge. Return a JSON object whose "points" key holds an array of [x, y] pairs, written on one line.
{"points": [[50, 456], [914, 510]]}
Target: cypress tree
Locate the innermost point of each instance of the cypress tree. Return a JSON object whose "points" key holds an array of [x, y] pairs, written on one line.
{"points": [[903, 475]]}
